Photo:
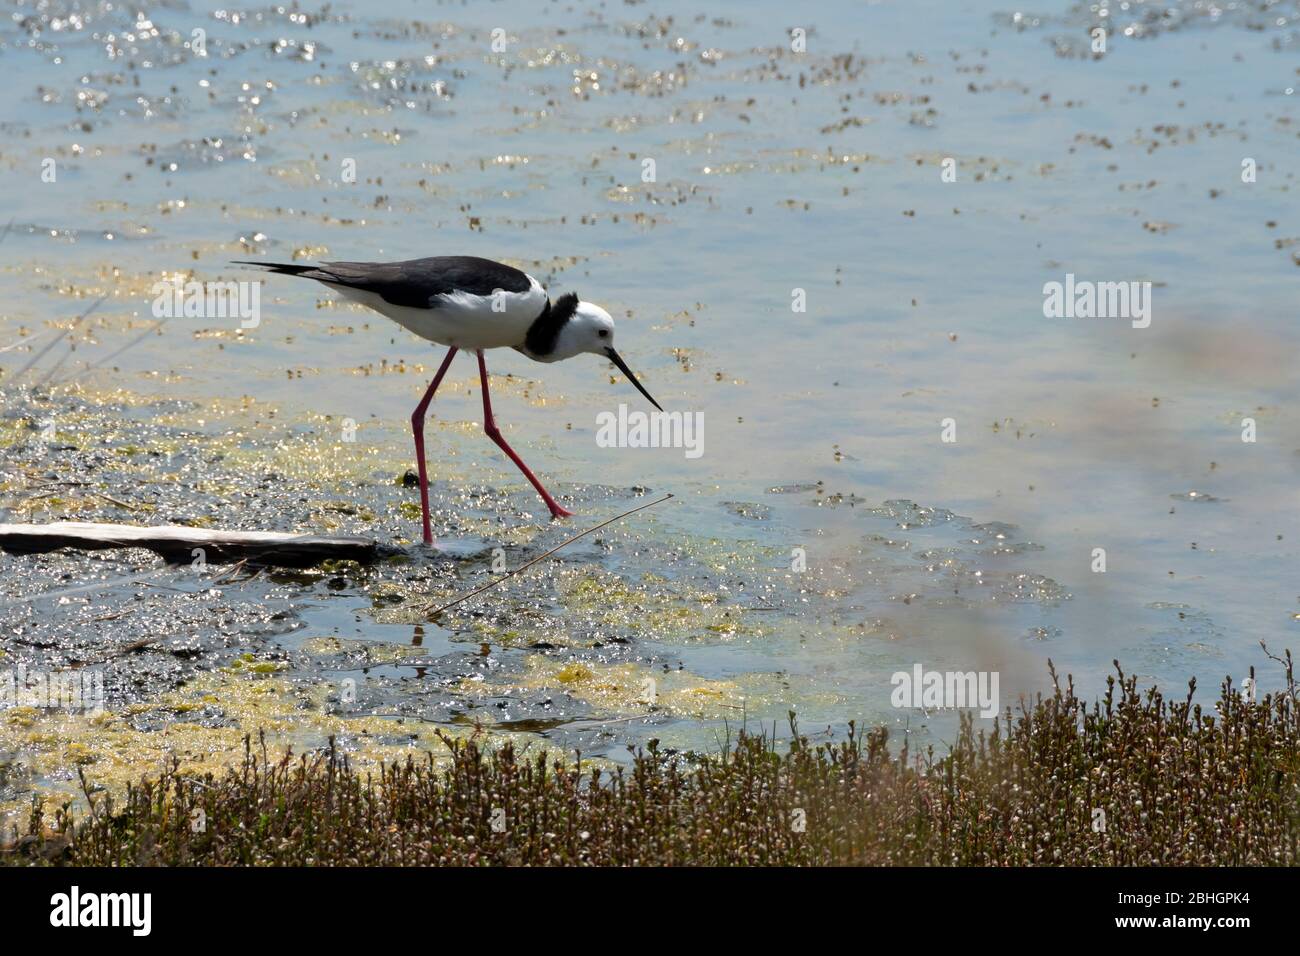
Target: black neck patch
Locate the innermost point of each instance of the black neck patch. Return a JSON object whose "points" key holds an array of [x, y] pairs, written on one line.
{"points": [[545, 330]]}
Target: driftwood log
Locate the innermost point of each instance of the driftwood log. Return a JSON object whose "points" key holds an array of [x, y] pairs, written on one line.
{"points": [[177, 543]]}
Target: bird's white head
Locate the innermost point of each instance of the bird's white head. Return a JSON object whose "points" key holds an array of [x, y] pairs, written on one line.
{"points": [[590, 328]]}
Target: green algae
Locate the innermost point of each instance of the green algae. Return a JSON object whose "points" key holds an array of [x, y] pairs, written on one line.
{"points": [[624, 689]]}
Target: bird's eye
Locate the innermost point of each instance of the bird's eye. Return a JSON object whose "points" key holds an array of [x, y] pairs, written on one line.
{"points": [[603, 333]]}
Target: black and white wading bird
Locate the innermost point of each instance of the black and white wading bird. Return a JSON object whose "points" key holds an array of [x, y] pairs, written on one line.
{"points": [[464, 302]]}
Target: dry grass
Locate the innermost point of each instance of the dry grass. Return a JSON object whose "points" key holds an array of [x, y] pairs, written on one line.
{"points": [[1177, 784]]}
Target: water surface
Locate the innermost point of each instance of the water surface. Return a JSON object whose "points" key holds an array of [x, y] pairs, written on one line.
{"points": [[774, 172]]}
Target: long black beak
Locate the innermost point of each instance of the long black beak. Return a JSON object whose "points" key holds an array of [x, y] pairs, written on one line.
{"points": [[622, 367]]}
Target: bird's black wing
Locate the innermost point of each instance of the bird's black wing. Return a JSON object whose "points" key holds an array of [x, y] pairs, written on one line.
{"points": [[414, 282]]}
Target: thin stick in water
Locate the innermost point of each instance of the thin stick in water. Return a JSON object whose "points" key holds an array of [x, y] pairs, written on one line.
{"points": [[542, 557], [41, 354]]}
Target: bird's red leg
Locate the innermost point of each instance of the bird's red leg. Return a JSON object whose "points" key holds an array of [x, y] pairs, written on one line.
{"points": [[490, 426], [417, 426]]}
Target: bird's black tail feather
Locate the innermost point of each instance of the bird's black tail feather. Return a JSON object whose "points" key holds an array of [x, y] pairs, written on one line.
{"points": [[292, 269], [280, 268]]}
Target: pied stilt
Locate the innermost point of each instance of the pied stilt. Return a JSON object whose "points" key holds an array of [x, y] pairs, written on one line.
{"points": [[464, 302]]}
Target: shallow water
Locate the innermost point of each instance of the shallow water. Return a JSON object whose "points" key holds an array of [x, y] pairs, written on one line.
{"points": [[775, 171]]}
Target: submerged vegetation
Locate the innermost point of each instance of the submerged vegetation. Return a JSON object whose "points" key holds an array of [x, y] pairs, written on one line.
{"points": [[1135, 779]]}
